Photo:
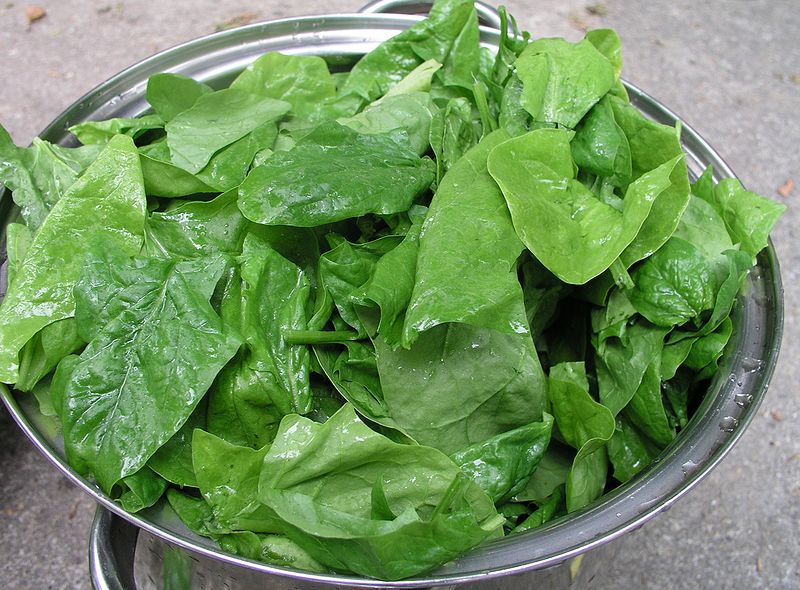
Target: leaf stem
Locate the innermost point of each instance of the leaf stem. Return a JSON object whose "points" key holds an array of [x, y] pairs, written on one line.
{"points": [[621, 276]]}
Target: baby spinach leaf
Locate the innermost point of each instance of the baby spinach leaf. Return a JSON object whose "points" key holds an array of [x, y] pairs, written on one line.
{"points": [[601, 147], [653, 146], [217, 120], [334, 173], [502, 465], [43, 352], [629, 450], [197, 228], [228, 477], [572, 232], [101, 132], [319, 478], [621, 362], [432, 38], [546, 511], [552, 473], [646, 408], [106, 206], [562, 80], [163, 337], [585, 425], [18, 240], [674, 285], [143, 489], [39, 175], [748, 217], [477, 383], [173, 461], [392, 283], [406, 118], [476, 284], [346, 268], [301, 80], [171, 94], [452, 134]]}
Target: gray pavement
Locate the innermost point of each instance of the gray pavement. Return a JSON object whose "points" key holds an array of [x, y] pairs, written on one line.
{"points": [[730, 68]]}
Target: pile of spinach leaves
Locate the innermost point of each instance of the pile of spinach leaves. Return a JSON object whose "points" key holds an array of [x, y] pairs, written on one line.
{"points": [[362, 322]]}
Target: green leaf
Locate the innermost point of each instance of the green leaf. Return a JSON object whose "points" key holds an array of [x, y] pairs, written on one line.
{"points": [[171, 94], [586, 426], [748, 217], [646, 408], [228, 476], [144, 488], [39, 175], [105, 207], [319, 478], [215, 121], [449, 23], [452, 134], [153, 356], [301, 80], [546, 512], [406, 118], [269, 378], [601, 147], [43, 352], [653, 146], [466, 265], [194, 229], [101, 132], [334, 173], [173, 461], [629, 450], [572, 232], [502, 465], [562, 80], [476, 383], [674, 285]]}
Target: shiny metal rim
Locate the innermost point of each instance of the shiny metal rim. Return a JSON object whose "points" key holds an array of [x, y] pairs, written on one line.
{"points": [[715, 427]]}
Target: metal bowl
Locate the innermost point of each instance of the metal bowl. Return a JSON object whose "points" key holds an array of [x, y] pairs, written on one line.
{"points": [[730, 404]]}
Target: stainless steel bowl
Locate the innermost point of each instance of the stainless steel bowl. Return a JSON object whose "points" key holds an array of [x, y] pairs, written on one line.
{"points": [[730, 404]]}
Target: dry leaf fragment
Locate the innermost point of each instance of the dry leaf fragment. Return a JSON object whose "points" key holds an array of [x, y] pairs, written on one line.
{"points": [[759, 565], [237, 21], [786, 188], [598, 9], [34, 13], [776, 415]]}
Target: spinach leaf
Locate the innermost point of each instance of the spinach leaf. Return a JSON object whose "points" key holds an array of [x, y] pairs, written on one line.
{"points": [[572, 232], [346, 268], [629, 450], [217, 120], [101, 132], [197, 228], [561, 80], [476, 382], [476, 285], [143, 489], [546, 512], [228, 477], [452, 134], [450, 23], [502, 465], [43, 352], [268, 378], [106, 206], [674, 285], [171, 94], [601, 147], [586, 426], [160, 336], [406, 118], [173, 461], [334, 173], [748, 217], [39, 175], [319, 478], [653, 146], [301, 80]]}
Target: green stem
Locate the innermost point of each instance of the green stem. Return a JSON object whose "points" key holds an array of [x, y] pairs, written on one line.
{"points": [[621, 276], [318, 336]]}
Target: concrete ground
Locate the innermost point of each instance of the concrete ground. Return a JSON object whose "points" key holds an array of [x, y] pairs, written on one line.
{"points": [[731, 68]]}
